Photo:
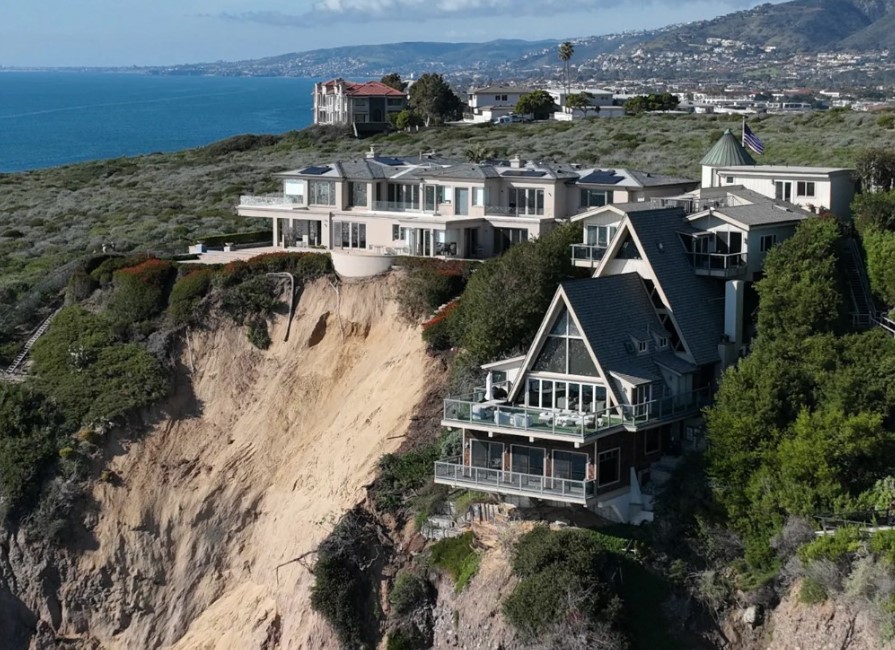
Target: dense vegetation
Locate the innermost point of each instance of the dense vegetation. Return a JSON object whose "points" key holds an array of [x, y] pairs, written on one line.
{"points": [[107, 356]]}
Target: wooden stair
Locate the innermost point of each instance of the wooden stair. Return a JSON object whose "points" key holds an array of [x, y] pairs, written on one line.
{"points": [[15, 367]]}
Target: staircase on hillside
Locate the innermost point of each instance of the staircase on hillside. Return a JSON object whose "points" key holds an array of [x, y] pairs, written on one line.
{"points": [[15, 367], [863, 310]]}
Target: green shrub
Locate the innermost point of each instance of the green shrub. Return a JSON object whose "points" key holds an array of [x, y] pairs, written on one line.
{"points": [[252, 299], [409, 592], [835, 548], [880, 248], [457, 557], [402, 475], [406, 640], [141, 290], [187, 293], [92, 375], [104, 271], [343, 590], [258, 334], [31, 431], [882, 544], [438, 331], [428, 284], [81, 286], [561, 574], [886, 120], [811, 592]]}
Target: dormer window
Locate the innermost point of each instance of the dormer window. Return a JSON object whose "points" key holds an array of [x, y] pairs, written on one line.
{"points": [[662, 342], [642, 347]]}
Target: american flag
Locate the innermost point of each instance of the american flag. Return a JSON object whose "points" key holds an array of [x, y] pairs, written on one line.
{"points": [[751, 140]]}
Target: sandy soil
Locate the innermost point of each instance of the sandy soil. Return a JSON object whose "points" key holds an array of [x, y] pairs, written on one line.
{"points": [[267, 454]]}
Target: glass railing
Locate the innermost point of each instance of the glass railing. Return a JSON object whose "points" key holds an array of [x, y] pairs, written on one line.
{"points": [[666, 408], [451, 472], [511, 211], [396, 206], [271, 201], [719, 263], [570, 424], [587, 252]]}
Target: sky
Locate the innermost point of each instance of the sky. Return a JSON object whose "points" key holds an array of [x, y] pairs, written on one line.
{"points": [[164, 32]]}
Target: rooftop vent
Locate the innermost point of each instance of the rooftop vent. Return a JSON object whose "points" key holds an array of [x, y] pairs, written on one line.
{"points": [[372, 152], [516, 162]]}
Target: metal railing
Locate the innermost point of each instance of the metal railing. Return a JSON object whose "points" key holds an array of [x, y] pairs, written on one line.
{"points": [[587, 252], [510, 211], [271, 201], [571, 425], [719, 264], [451, 472]]}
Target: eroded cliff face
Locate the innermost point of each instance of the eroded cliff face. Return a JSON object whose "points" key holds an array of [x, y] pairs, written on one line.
{"points": [[258, 457]]}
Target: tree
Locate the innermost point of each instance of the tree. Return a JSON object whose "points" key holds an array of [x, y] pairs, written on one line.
{"points": [[652, 102], [505, 299], [875, 168], [537, 103], [432, 98], [479, 153], [406, 120], [581, 102], [874, 211], [566, 51], [393, 80]]}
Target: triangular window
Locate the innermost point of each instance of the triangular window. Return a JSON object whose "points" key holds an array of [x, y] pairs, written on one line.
{"points": [[628, 249], [564, 351]]}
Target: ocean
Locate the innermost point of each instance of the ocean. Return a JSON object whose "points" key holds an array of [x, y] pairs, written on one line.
{"points": [[56, 118]]}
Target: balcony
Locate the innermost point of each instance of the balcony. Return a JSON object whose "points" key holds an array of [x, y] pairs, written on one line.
{"points": [[451, 472], [277, 201], [587, 254], [557, 424], [512, 211], [719, 265]]}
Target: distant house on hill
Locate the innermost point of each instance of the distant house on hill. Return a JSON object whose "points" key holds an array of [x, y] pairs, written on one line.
{"points": [[363, 106], [491, 102]]}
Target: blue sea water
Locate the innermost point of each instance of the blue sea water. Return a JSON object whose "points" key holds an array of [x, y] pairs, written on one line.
{"points": [[56, 118]]}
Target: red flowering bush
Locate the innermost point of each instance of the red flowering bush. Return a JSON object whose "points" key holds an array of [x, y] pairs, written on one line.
{"points": [[437, 331], [141, 291]]}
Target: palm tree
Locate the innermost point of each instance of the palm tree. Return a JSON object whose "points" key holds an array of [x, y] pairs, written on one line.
{"points": [[566, 51]]}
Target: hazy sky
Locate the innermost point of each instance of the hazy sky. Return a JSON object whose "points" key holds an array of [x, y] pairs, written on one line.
{"points": [[155, 32]]}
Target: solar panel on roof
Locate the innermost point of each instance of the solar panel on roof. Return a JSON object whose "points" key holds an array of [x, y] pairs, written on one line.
{"points": [[388, 160], [529, 173], [602, 177], [316, 171]]}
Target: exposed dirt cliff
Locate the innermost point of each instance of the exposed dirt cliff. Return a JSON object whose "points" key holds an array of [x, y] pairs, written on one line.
{"points": [[258, 457]]}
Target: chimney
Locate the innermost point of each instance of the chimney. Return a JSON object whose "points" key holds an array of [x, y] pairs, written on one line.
{"points": [[516, 162], [372, 152]]}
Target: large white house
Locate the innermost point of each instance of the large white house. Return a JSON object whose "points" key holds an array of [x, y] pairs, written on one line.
{"points": [[815, 188], [491, 102], [430, 206]]}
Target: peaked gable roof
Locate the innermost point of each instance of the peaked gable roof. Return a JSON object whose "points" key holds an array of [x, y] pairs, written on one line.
{"points": [[613, 310], [727, 152], [373, 89], [696, 302]]}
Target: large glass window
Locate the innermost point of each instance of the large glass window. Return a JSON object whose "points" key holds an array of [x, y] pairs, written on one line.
{"points": [[569, 395], [594, 198], [805, 188], [528, 201], [487, 454], [570, 465], [321, 192], [358, 194], [600, 235], [609, 467], [527, 460], [351, 234], [564, 350]]}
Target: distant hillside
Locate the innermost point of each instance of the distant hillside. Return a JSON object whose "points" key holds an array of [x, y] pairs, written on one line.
{"points": [[801, 25], [791, 27]]}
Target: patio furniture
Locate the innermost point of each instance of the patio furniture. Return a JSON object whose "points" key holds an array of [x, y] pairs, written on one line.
{"points": [[546, 417]]}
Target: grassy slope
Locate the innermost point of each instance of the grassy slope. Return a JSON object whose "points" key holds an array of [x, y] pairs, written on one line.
{"points": [[165, 201]]}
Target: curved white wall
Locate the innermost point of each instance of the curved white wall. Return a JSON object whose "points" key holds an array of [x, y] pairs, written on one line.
{"points": [[360, 265]]}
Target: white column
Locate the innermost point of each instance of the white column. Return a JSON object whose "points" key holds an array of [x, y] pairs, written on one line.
{"points": [[733, 311], [276, 231]]}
